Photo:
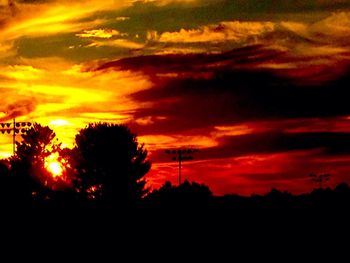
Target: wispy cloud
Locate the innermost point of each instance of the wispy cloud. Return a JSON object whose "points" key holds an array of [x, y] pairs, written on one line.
{"points": [[225, 31], [327, 37], [101, 33], [121, 43], [61, 17]]}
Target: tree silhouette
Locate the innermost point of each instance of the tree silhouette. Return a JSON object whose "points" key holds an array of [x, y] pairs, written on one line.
{"points": [[4, 169], [31, 179], [110, 164], [5, 181], [185, 195]]}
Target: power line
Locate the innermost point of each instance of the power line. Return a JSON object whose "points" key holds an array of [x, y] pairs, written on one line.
{"points": [[181, 155], [14, 128]]}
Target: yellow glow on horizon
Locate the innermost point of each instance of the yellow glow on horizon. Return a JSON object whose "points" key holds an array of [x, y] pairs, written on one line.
{"points": [[59, 122]]}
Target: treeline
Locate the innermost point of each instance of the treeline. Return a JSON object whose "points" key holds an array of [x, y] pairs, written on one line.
{"points": [[193, 196], [107, 168]]}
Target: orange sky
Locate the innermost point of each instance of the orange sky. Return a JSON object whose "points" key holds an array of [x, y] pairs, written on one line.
{"points": [[189, 73]]}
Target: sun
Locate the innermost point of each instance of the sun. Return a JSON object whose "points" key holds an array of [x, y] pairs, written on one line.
{"points": [[54, 166]]}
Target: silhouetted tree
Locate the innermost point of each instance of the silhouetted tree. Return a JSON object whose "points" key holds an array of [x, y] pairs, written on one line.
{"points": [[110, 164], [342, 188], [5, 181], [278, 199], [4, 169], [31, 179]]}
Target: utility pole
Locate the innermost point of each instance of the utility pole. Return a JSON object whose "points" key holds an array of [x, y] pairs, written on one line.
{"points": [[14, 128], [320, 178], [14, 136], [181, 155]]}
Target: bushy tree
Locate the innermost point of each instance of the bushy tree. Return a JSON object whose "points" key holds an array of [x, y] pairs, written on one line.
{"points": [[110, 164], [28, 170]]}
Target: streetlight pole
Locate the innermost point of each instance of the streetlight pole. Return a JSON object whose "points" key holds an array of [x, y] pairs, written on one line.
{"points": [[15, 129], [320, 178], [181, 155], [14, 136]]}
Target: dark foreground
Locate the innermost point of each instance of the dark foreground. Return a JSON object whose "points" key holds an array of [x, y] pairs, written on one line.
{"points": [[224, 229]]}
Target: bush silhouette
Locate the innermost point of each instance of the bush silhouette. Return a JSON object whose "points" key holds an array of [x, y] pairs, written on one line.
{"points": [[109, 164]]}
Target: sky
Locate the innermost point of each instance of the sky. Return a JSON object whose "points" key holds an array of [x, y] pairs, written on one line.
{"points": [[260, 87]]}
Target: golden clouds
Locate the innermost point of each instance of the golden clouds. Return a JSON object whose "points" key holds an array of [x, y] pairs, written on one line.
{"points": [[325, 38], [335, 26], [333, 30], [101, 33], [68, 99], [311, 46], [21, 72], [35, 20], [105, 36], [226, 31], [49, 20], [123, 43]]}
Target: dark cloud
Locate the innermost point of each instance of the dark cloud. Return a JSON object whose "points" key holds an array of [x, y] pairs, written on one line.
{"points": [[320, 144], [19, 108], [195, 63], [292, 5], [233, 7], [230, 88], [277, 142]]}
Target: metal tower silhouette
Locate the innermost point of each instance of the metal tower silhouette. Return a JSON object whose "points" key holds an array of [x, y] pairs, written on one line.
{"points": [[181, 155]]}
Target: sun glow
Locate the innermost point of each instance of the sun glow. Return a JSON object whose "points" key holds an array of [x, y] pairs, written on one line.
{"points": [[59, 122], [54, 166]]}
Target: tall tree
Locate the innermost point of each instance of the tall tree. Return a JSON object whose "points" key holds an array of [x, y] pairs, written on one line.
{"points": [[32, 178], [110, 164]]}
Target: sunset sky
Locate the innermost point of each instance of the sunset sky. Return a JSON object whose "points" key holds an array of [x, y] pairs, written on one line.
{"points": [[261, 87]]}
